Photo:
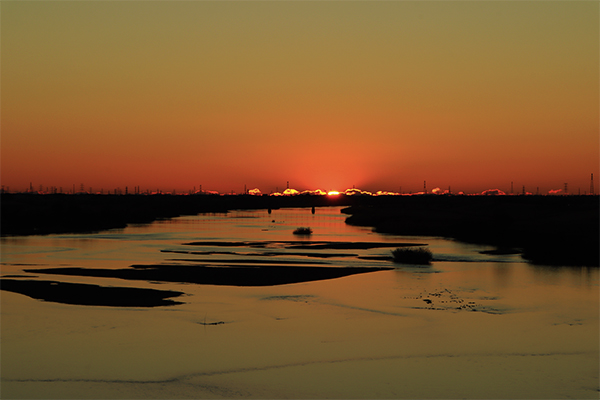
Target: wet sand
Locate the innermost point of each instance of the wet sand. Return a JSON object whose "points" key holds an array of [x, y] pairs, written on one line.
{"points": [[363, 336]]}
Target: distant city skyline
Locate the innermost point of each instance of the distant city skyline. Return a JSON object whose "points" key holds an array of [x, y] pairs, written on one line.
{"points": [[326, 95], [291, 191]]}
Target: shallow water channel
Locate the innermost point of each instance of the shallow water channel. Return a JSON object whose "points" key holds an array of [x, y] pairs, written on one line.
{"points": [[471, 325]]}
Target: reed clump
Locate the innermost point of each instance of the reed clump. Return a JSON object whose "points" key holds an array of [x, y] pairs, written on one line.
{"points": [[303, 231], [412, 255]]}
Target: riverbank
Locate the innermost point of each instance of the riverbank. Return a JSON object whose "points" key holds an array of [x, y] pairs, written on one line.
{"points": [[551, 230], [33, 214]]}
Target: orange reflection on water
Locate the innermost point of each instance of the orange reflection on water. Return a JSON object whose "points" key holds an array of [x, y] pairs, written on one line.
{"points": [[477, 328]]}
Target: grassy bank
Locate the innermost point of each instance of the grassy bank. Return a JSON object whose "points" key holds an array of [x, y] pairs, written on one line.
{"points": [[32, 214], [555, 230]]}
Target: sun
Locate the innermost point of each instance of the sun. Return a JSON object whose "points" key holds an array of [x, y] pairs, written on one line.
{"points": [[333, 193]]}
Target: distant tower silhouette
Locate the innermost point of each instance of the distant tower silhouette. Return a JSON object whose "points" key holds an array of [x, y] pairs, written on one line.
{"points": [[425, 186], [511, 188], [566, 188], [592, 184], [288, 184]]}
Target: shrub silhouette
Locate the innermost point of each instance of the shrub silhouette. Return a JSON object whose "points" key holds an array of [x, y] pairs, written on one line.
{"points": [[412, 255], [302, 231]]}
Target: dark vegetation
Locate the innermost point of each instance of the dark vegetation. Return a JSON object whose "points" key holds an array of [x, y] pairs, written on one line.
{"points": [[412, 255], [33, 214], [303, 231], [558, 230], [90, 295], [551, 230]]}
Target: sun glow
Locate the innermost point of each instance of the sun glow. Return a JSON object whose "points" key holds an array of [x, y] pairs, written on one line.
{"points": [[333, 193]]}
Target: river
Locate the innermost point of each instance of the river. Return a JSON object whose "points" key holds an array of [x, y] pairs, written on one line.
{"points": [[470, 325]]}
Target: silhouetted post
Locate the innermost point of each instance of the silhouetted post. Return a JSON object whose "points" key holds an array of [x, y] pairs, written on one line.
{"points": [[511, 188], [566, 188], [425, 186], [523, 190], [30, 187], [288, 184], [592, 185], [312, 210], [126, 190], [537, 191]]}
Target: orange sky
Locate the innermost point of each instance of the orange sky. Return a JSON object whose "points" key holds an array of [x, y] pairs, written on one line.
{"points": [[380, 95]]}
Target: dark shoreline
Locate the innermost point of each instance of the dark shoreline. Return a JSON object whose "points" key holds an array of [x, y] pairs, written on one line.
{"points": [[33, 214], [546, 230], [221, 275], [90, 295], [553, 230]]}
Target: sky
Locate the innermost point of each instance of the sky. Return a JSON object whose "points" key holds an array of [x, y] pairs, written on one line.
{"points": [[380, 95]]}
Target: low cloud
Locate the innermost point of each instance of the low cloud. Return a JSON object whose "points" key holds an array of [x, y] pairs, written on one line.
{"points": [[493, 192], [254, 192]]}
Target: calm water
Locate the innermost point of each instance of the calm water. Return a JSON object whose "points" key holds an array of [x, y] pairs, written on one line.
{"points": [[469, 326]]}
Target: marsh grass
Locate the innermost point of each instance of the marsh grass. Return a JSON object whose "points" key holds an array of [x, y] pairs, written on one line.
{"points": [[412, 255], [303, 231]]}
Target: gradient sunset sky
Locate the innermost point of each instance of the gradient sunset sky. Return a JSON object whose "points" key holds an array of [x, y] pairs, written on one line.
{"points": [[379, 95]]}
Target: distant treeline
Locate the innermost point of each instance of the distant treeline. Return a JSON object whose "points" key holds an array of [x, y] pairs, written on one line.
{"points": [[561, 230], [33, 214], [554, 230]]}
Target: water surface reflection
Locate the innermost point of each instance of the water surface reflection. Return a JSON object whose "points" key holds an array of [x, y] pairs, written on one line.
{"points": [[469, 326]]}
